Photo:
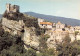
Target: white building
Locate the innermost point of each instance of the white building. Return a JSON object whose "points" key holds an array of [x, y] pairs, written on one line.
{"points": [[47, 25], [43, 24], [40, 20], [59, 25], [77, 28], [78, 36]]}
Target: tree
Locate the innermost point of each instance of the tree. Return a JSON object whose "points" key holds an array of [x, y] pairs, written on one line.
{"points": [[67, 48], [76, 32]]}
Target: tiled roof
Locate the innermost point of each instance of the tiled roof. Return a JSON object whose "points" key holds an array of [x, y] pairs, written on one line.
{"points": [[47, 23]]}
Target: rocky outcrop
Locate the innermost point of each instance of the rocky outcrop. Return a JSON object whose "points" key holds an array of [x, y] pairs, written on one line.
{"points": [[30, 38], [12, 26], [15, 27]]}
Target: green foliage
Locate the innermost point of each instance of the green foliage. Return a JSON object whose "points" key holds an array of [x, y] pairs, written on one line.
{"points": [[14, 46], [31, 52], [44, 49], [10, 45], [76, 32], [46, 37], [14, 16], [47, 52], [43, 40], [40, 31], [67, 39], [31, 22], [67, 48], [16, 51]]}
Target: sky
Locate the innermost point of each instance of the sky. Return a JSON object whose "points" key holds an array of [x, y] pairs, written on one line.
{"points": [[62, 8]]}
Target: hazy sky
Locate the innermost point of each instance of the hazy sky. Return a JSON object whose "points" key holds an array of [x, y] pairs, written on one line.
{"points": [[63, 8]]}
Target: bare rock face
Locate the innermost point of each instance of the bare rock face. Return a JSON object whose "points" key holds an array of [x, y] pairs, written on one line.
{"points": [[12, 26], [30, 38], [16, 27]]}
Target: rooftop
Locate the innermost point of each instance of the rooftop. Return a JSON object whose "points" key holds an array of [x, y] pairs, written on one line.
{"points": [[46, 23]]}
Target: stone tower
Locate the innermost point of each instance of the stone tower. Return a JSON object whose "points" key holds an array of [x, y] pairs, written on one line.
{"points": [[12, 8]]}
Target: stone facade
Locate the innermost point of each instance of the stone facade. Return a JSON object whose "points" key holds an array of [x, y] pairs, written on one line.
{"points": [[59, 25], [43, 24], [58, 32], [47, 25], [12, 8], [56, 37], [40, 20]]}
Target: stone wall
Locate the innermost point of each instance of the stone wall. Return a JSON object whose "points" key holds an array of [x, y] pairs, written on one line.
{"points": [[12, 8]]}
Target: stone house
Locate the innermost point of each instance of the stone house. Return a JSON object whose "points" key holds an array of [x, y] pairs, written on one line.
{"points": [[43, 24], [60, 26], [77, 28], [56, 37], [47, 25]]}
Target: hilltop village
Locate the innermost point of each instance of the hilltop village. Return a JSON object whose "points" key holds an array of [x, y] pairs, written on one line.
{"points": [[57, 31], [36, 32]]}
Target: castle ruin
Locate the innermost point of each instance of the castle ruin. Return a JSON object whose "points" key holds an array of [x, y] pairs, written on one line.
{"points": [[12, 8]]}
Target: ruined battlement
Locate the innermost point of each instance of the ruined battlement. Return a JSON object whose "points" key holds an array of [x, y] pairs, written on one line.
{"points": [[12, 8]]}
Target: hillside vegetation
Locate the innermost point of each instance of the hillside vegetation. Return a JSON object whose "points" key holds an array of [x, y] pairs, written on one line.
{"points": [[13, 45]]}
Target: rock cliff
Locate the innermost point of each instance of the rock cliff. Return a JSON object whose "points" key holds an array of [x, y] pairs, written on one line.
{"points": [[30, 38], [12, 26], [19, 27]]}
